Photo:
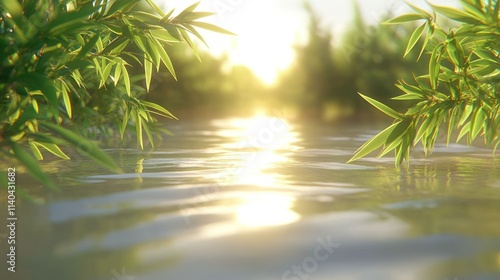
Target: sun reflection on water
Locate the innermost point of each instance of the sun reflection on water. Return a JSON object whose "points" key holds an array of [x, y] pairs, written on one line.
{"points": [[266, 209], [262, 144]]}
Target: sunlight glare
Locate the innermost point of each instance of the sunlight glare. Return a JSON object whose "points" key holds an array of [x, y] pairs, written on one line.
{"points": [[266, 209]]}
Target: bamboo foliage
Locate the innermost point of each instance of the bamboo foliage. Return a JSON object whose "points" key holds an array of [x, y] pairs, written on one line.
{"points": [[462, 88], [66, 72]]}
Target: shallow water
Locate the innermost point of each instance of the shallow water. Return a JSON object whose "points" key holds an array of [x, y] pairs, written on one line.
{"points": [[263, 199]]}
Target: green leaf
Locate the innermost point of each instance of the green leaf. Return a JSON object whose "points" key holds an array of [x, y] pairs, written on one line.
{"points": [[46, 138], [124, 123], [455, 14], [419, 10], [156, 8], [477, 123], [190, 43], [71, 22], [126, 79], [374, 143], [414, 38], [451, 125], [84, 145], [31, 164], [148, 71], [404, 18], [211, 27], [196, 15], [67, 102], [149, 135], [474, 10], [166, 18], [54, 149], [38, 81], [434, 65], [118, 72], [465, 115], [455, 52], [164, 57], [399, 131], [120, 4], [428, 37], [186, 11], [195, 33], [164, 35], [409, 96], [36, 152], [85, 49], [425, 128], [138, 127], [159, 108], [464, 131], [382, 107]]}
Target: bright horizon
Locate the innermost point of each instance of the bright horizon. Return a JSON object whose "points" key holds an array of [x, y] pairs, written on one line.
{"points": [[268, 30]]}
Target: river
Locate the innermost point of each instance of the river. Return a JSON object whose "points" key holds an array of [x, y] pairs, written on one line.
{"points": [[264, 198]]}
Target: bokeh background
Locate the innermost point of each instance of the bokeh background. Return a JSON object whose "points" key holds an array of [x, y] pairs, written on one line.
{"points": [[310, 58]]}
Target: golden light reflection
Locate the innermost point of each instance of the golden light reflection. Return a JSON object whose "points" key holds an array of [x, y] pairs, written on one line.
{"points": [[266, 209], [261, 144], [498, 259]]}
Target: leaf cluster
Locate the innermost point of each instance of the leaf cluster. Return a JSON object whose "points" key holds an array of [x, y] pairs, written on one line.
{"points": [[461, 90], [65, 73]]}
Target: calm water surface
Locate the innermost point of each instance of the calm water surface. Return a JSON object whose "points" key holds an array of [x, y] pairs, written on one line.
{"points": [[264, 199]]}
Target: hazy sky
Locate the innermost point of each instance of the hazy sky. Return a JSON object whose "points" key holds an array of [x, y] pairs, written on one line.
{"points": [[267, 29]]}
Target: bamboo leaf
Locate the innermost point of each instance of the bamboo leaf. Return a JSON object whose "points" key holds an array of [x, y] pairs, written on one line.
{"points": [[138, 127], [455, 14], [187, 11], [374, 143], [155, 7], [195, 33], [409, 96], [33, 168], [404, 18], [85, 49], [164, 57], [149, 135], [166, 18], [197, 15], [126, 79], [382, 107], [211, 27], [190, 43], [36, 152], [477, 123], [118, 72], [464, 131], [434, 65], [419, 10], [67, 103], [163, 35], [148, 71], [119, 5], [159, 108], [84, 146], [414, 38]]}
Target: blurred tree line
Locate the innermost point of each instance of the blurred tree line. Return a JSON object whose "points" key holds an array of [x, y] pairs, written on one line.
{"points": [[211, 88], [322, 82], [324, 79]]}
